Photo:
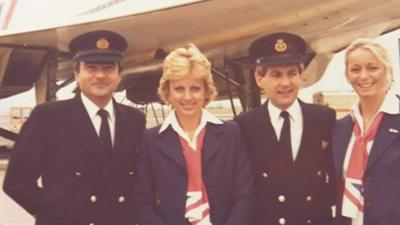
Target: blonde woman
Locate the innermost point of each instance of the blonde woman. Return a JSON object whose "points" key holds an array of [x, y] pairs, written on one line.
{"points": [[192, 169], [366, 143]]}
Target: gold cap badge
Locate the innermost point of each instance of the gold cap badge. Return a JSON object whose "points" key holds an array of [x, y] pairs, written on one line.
{"points": [[102, 43], [324, 144], [280, 45]]}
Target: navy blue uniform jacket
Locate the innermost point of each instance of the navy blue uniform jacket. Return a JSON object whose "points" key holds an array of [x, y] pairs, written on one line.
{"points": [[382, 176], [286, 192], [59, 144], [161, 180]]}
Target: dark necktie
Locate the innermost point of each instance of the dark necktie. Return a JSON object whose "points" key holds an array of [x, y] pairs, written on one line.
{"points": [[285, 140], [105, 135]]}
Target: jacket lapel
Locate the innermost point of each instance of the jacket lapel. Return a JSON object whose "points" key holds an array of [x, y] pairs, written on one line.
{"points": [[341, 138], [271, 156], [388, 131], [307, 136], [168, 144], [264, 132], [82, 126], [212, 141], [122, 130], [123, 137]]}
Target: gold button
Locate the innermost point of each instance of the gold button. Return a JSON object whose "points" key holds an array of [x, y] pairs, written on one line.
{"points": [[281, 198], [131, 173], [309, 198], [265, 175], [121, 199], [78, 174], [282, 221], [93, 198]]}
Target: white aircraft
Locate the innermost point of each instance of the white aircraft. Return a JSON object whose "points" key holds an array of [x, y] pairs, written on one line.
{"points": [[33, 48], [35, 35]]}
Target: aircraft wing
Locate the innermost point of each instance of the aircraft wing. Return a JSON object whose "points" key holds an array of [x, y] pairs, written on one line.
{"points": [[223, 30]]}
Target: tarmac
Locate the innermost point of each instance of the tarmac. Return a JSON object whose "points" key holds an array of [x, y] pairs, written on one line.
{"points": [[10, 212]]}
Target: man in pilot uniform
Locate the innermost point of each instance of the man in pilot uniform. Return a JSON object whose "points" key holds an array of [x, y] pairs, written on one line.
{"points": [[82, 149], [288, 140]]}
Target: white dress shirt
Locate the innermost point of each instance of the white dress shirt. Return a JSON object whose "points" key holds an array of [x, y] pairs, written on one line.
{"points": [[296, 124], [92, 110], [172, 121]]}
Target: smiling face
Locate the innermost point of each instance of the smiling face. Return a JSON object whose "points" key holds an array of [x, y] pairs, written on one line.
{"points": [[187, 96], [367, 74], [280, 84], [98, 81]]}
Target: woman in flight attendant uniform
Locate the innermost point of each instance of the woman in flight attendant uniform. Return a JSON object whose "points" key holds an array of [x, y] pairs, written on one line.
{"points": [[193, 169], [366, 143]]}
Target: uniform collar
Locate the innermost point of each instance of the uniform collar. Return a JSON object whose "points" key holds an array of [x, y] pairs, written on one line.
{"points": [[92, 108], [172, 121], [294, 111], [390, 105]]}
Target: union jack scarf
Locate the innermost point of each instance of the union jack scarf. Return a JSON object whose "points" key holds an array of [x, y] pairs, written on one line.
{"points": [[353, 202], [197, 208]]}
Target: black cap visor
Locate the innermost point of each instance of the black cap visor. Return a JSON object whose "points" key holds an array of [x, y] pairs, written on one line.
{"points": [[279, 60], [99, 55]]}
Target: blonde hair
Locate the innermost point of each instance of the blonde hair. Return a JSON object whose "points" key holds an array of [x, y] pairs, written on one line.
{"points": [[183, 62], [375, 48]]}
